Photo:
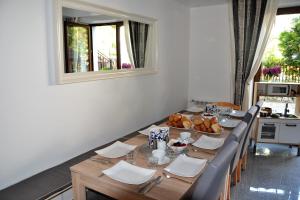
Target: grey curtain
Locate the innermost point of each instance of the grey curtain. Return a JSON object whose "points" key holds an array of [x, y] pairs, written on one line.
{"points": [[138, 38], [248, 16]]}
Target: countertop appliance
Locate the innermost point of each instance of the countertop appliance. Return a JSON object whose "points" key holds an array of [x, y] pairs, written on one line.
{"points": [[278, 89]]}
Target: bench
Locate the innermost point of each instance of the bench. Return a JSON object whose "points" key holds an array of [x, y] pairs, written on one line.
{"points": [[54, 181]]}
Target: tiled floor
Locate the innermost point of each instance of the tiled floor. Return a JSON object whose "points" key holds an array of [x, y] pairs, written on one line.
{"points": [[272, 174]]}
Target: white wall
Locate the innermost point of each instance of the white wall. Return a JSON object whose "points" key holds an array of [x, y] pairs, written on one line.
{"points": [[210, 54], [42, 125]]}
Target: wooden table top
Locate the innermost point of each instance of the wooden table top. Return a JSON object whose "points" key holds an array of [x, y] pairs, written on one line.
{"points": [[171, 188]]}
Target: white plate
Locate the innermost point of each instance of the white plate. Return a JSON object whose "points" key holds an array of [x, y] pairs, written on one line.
{"points": [[229, 123], [187, 116], [237, 113], [130, 174], [205, 142], [224, 110], [116, 150], [191, 140], [207, 133], [186, 166], [195, 109], [147, 130]]}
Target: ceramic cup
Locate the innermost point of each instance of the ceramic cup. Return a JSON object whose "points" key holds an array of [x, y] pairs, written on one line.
{"points": [[161, 145], [185, 136], [159, 154]]}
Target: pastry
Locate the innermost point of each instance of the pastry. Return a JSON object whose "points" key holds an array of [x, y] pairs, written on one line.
{"points": [[216, 128]]}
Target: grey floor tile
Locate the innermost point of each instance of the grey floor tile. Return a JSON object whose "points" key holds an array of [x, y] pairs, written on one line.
{"points": [[272, 174]]}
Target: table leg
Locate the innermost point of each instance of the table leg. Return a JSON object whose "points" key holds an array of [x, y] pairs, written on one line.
{"points": [[78, 188], [298, 153]]}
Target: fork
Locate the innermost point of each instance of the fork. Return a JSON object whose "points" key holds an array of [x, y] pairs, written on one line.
{"points": [[103, 161]]}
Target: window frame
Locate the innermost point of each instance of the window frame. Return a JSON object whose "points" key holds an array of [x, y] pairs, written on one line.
{"points": [[90, 56], [118, 44], [280, 11]]}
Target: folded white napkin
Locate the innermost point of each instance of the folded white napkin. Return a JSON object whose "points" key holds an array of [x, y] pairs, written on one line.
{"points": [[147, 130]]}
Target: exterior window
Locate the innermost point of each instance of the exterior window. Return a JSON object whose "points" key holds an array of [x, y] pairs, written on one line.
{"points": [[105, 47], [107, 52], [281, 60], [77, 43]]}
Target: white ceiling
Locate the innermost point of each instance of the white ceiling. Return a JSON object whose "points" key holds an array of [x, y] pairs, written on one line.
{"points": [[198, 3], [289, 3]]}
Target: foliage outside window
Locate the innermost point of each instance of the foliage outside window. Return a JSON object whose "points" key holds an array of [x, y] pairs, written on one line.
{"points": [[281, 61], [77, 48]]}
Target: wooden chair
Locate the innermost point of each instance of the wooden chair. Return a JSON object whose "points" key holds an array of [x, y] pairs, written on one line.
{"points": [[259, 104], [228, 104]]}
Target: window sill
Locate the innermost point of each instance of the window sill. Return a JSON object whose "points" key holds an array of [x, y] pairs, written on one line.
{"points": [[66, 78]]}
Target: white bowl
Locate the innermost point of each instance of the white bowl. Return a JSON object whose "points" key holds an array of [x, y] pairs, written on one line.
{"points": [[208, 115], [176, 149]]}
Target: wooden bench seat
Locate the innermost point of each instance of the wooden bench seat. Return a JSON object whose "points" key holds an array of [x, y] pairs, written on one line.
{"points": [[54, 180], [49, 182]]}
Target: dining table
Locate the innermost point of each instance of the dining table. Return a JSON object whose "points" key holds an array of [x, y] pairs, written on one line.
{"points": [[88, 173]]}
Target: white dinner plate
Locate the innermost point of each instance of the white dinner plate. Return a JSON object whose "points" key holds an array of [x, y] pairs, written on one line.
{"points": [[229, 123], [186, 166], [187, 116], [194, 109], [147, 130], [116, 150], [237, 113], [205, 142], [128, 173]]}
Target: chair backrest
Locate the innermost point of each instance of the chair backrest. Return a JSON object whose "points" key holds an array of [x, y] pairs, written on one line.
{"points": [[228, 104], [259, 104], [239, 135], [210, 184], [249, 118]]}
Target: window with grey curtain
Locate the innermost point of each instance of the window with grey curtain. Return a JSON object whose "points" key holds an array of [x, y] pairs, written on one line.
{"points": [[138, 38], [248, 16]]}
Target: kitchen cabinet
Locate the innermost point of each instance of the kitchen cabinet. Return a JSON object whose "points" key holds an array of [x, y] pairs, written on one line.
{"points": [[280, 131], [289, 133], [268, 132]]}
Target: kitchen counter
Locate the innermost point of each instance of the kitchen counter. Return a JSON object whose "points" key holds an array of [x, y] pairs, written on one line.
{"points": [[280, 118], [280, 130]]}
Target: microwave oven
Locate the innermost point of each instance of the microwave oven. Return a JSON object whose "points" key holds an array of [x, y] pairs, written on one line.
{"points": [[277, 89]]}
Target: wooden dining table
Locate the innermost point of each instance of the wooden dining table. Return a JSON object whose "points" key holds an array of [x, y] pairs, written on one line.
{"points": [[88, 174]]}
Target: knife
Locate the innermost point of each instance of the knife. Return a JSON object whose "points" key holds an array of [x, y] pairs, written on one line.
{"points": [[149, 186]]}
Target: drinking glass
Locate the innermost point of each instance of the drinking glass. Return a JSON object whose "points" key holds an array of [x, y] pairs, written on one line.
{"points": [[130, 157], [171, 153], [152, 162]]}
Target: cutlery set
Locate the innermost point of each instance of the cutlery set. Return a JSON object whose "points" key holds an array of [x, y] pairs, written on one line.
{"points": [[101, 160], [150, 185]]}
